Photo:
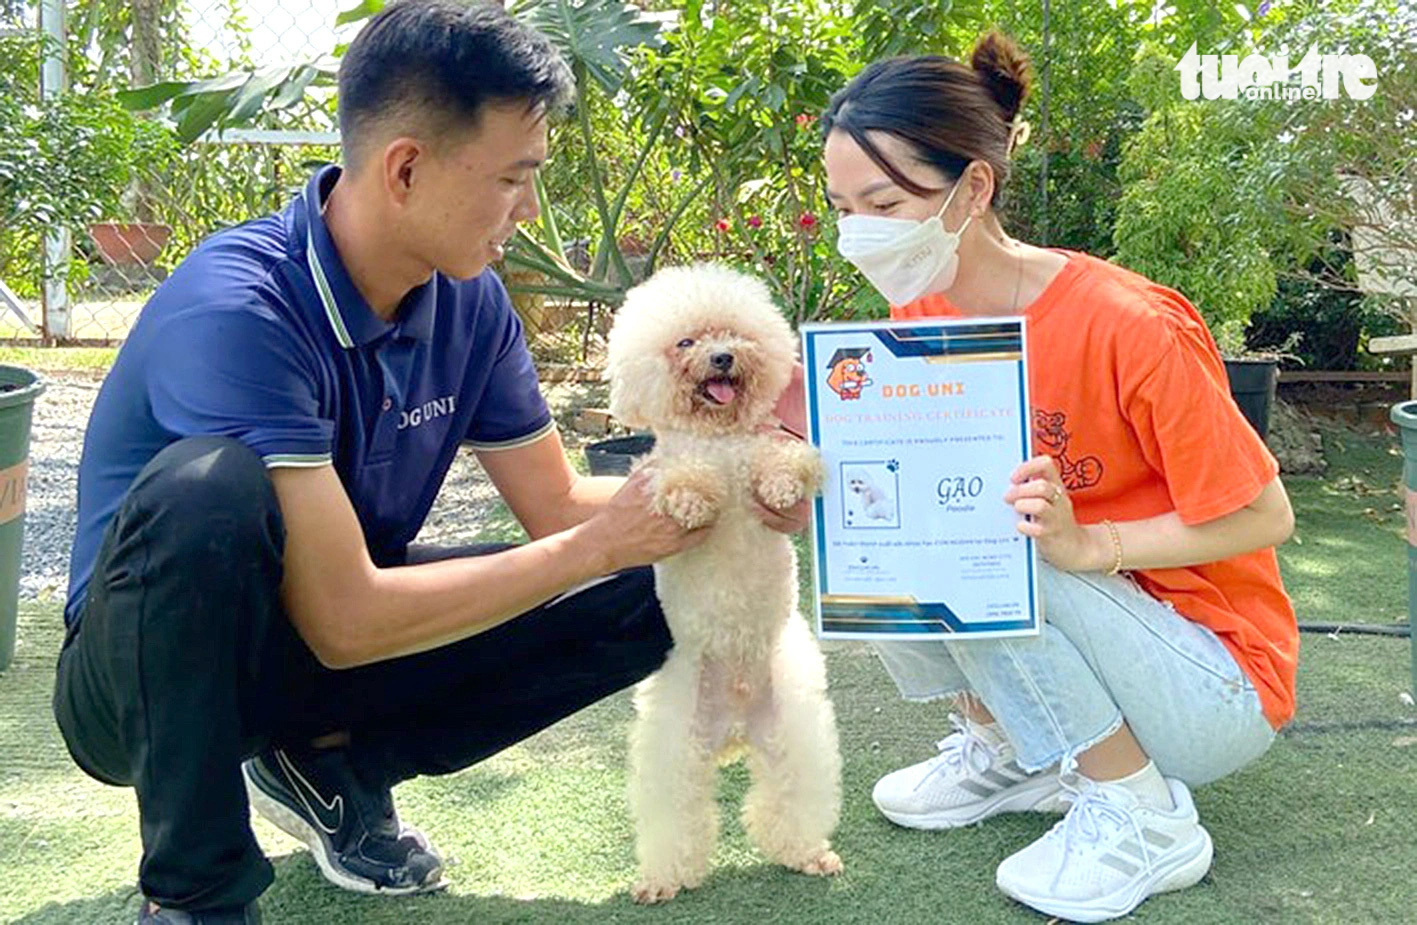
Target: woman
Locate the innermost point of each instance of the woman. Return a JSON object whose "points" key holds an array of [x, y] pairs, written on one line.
{"points": [[1168, 653]]}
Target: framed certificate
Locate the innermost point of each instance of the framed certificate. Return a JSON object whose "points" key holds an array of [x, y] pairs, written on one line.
{"points": [[920, 425]]}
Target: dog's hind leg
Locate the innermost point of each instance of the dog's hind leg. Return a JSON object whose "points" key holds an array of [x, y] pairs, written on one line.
{"points": [[794, 803], [671, 783]]}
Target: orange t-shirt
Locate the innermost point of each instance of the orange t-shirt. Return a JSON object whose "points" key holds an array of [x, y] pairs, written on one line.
{"points": [[1130, 397]]}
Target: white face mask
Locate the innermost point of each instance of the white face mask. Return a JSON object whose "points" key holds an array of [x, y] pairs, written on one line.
{"points": [[903, 258]]}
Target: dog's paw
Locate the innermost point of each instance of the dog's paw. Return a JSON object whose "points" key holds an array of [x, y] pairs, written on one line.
{"points": [[826, 864], [688, 507], [784, 472], [647, 892], [691, 495], [780, 490]]}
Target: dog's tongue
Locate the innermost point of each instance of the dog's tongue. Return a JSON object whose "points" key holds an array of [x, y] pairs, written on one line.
{"points": [[721, 390]]}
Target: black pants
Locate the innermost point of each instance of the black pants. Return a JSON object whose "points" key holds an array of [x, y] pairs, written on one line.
{"points": [[184, 664]]}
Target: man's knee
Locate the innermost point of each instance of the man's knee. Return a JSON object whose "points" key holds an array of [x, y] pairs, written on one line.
{"points": [[216, 475], [210, 493], [639, 617]]}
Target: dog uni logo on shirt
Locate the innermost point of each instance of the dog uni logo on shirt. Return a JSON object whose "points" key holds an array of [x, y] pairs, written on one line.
{"points": [[848, 372], [429, 410]]}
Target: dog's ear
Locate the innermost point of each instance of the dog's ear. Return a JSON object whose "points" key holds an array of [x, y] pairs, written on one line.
{"points": [[626, 411], [630, 385]]}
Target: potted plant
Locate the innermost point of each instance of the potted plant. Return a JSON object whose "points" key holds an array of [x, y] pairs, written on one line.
{"points": [[66, 162], [130, 234], [120, 243]]}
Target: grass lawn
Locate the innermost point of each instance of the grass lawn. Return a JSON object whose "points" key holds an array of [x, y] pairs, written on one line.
{"points": [[1319, 830], [88, 359]]}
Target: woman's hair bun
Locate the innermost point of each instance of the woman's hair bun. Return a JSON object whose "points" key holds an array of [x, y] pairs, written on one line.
{"points": [[1004, 69]]}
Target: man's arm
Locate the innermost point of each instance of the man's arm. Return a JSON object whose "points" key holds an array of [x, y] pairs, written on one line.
{"points": [[548, 496], [543, 491], [351, 612]]}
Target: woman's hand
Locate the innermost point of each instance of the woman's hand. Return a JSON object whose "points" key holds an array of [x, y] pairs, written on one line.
{"points": [[1038, 493], [792, 520], [791, 410]]}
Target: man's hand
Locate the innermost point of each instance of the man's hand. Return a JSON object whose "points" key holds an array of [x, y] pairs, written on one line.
{"points": [[627, 531]]}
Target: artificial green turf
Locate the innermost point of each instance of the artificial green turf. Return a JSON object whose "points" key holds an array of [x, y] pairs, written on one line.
{"points": [[1319, 830]]}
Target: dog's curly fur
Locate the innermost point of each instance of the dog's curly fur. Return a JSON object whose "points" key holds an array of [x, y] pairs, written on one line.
{"points": [[701, 355]]}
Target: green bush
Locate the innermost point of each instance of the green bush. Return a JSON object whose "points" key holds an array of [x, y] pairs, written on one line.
{"points": [[1319, 317], [1197, 211]]}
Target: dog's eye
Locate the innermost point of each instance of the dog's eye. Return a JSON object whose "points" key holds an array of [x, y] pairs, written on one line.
{"points": [[686, 343]]}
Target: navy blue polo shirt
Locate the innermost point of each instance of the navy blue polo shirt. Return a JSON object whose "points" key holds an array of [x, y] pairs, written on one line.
{"points": [[261, 335]]}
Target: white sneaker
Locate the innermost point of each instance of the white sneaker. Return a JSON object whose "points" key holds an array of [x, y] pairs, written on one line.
{"points": [[1108, 854], [969, 780]]}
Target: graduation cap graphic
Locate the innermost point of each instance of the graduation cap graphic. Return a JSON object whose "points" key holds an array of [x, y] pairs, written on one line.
{"points": [[849, 353]]}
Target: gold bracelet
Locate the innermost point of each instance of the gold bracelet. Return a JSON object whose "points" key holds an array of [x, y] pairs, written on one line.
{"points": [[1116, 547]]}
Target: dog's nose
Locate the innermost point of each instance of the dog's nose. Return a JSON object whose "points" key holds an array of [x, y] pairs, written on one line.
{"points": [[723, 361]]}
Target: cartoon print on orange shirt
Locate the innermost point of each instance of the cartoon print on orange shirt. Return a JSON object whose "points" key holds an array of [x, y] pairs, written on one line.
{"points": [[1050, 429], [848, 372]]}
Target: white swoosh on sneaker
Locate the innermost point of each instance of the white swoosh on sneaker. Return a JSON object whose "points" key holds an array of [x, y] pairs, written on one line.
{"points": [[306, 792]]}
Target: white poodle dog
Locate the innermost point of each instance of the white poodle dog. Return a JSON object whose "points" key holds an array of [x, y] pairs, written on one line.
{"points": [[876, 502], [701, 355]]}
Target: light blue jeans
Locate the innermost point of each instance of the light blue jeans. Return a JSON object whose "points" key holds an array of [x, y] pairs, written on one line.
{"points": [[1108, 652]]}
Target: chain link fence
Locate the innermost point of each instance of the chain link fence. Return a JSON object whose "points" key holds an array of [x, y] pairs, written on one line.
{"points": [[96, 277]]}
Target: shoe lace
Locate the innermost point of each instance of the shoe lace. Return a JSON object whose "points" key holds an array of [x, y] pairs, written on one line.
{"points": [[961, 752], [1094, 805]]}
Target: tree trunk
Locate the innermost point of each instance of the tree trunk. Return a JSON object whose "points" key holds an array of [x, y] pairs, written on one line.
{"points": [[146, 69], [147, 42]]}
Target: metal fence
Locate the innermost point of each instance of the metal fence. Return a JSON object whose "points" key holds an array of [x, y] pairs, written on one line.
{"points": [[97, 278]]}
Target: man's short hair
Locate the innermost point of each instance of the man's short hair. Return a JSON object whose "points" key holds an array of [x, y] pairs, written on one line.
{"points": [[427, 67]]}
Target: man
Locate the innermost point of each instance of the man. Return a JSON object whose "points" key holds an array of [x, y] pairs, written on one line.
{"points": [[242, 587]]}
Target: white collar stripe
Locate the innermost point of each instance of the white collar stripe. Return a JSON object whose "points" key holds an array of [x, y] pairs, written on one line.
{"points": [[326, 296]]}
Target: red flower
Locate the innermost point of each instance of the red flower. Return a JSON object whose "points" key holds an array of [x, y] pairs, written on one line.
{"points": [[721, 225], [755, 221], [805, 119], [807, 221]]}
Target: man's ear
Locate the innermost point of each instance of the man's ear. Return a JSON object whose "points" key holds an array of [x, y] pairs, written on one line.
{"points": [[403, 158]]}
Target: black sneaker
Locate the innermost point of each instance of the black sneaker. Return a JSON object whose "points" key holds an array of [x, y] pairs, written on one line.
{"points": [[153, 914], [316, 796]]}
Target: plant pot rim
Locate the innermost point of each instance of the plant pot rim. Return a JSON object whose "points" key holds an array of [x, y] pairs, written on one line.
{"points": [[1255, 358], [27, 385], [116, 223], [1404, 414]]}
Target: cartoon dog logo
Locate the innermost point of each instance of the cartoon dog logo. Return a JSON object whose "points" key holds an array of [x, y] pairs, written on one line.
{"points": [[848, 372]]}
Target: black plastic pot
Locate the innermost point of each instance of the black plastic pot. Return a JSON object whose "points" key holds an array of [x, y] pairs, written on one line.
{"points": [[614, 456], [1252, 383]]}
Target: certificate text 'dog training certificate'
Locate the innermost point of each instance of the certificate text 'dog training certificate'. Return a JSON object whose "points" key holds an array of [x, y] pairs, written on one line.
{"points": [[920, 426]]}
